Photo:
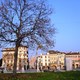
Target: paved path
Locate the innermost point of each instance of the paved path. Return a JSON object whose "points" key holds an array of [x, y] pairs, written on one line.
{"points": [[27, 71], [31, 71]]}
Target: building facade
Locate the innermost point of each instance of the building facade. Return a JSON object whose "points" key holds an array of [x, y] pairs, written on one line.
{"points": [[8, 58], [52, 60], [75, 57], [32, 62]]}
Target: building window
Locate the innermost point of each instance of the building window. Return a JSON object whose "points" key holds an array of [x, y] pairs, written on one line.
{"points": [[45, 64], [24, 52], [19, 55], [20, 51], [77, 65], [45, 60]]}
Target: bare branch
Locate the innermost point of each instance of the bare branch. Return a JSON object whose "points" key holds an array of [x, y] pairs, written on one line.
{"points": [[26, 22]]}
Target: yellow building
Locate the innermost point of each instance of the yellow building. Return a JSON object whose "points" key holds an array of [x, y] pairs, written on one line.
{"points": [[56, 59], [52, 60], [8, 58]]}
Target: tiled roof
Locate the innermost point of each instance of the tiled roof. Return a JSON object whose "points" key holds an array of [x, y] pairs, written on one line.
{"points": [[73, 53], [53, 52]]}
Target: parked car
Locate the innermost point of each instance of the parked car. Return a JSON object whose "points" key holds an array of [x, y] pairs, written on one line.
{"points": [[1, 70]]}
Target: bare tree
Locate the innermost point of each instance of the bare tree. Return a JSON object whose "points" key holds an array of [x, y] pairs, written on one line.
{"points": [[25, 22]]}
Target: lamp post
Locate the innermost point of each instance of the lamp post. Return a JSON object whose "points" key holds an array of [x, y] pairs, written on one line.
{"points": [[37, 59], [37, 64]]}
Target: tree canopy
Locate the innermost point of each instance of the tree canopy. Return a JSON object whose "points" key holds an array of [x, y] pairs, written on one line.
{"points": [[26, 22]]}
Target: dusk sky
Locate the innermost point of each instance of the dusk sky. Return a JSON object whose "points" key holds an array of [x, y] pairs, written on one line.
{"points": [[66, 19]]}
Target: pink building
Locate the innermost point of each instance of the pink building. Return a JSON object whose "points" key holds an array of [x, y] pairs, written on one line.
{"points": [[75, 57], [32, 62]]}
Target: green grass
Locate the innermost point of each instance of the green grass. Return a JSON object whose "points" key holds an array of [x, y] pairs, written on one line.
{"points": [[42, 76]]}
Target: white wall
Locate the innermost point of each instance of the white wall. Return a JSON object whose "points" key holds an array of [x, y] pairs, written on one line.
{"points": [[68, 64]]}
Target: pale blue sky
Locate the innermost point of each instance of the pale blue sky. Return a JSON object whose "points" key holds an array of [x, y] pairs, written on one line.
{"points": [[66, 19]]}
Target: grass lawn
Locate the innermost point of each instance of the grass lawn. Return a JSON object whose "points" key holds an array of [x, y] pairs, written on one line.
{"points": [[42, 76]]}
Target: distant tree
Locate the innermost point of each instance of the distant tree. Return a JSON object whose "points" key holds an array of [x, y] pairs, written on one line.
{"points": [[25, 22]]}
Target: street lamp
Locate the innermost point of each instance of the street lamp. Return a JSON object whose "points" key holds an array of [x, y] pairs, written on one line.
{"points": [[37, 64]]}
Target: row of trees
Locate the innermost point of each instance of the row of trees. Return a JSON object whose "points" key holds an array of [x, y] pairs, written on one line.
{"points": [[25, 22]]}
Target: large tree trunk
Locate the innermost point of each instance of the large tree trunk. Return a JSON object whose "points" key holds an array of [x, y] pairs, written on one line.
{"points": [[15, 59]]}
